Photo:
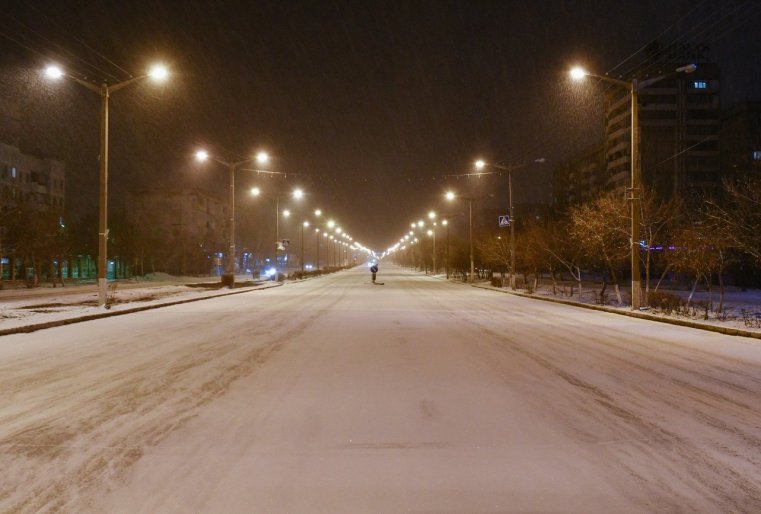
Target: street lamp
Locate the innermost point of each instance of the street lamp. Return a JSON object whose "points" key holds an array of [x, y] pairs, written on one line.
{"points": [[296, 194], [304, 225], [158, 73], [479, 165], [446, 224], [201, 155], [432, 217], [634, 87], [450, 195]]}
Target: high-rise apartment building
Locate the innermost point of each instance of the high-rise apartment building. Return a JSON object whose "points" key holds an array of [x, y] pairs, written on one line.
{"points": [[679, 139], [36, 183]]}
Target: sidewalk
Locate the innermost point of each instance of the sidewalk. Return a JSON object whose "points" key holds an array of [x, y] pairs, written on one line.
{"points": [[735, 323], [27, 310]]}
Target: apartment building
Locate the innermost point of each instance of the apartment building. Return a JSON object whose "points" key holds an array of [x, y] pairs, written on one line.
{"points": [[176, 231], [679, 138], [35, 182]]}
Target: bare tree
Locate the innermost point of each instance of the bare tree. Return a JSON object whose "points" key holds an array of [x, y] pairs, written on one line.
{"points": [[739, 215], [554, 240], [659, 221], [601, 228], [701, 251]]}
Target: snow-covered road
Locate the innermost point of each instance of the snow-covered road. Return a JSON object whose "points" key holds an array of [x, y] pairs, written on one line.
{"points": [[333, 395]]}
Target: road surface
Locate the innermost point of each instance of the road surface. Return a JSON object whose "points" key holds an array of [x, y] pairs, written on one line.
{"points": [[333, 395]]}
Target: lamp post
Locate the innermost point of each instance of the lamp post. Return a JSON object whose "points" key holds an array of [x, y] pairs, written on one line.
{"points": [[317, 246], [296, 194], [304, 225], [450, 195], [509, 169], [634, 87], [104, 90], [262, 157], [432, 217], [446, 253]]}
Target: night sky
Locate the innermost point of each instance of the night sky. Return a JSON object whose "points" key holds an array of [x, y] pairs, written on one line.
{"points": [[369, 106]]}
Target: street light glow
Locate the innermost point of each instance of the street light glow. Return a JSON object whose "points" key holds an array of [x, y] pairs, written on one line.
{"points": [[286, 213], [298, 194], [432, 215], [202, 155], [480, 164], [53, 72], [331, 223], [306, 224], [577, 73], [262, 158], [255, 191], [420, 224], [158, 72], [450, 195], [318, 212]]}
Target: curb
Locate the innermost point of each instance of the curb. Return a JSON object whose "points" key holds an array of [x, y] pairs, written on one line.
{"points": [[641, 315], [61, 322]]}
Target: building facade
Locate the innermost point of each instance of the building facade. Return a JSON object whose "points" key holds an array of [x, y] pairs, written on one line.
{"points": [[31, 210], [179, 231], [679, 135], [741, 140], [35, 182]]}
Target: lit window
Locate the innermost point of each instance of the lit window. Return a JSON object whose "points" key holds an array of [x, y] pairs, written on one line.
{"points": [[700, 84], [13, 172], [757, 155]]}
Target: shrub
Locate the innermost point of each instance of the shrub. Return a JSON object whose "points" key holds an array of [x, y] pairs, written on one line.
{"points": [[668, 303]]}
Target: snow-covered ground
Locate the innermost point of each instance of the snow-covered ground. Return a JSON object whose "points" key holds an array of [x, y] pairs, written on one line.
{"points": [[336, 395], [26, 307]]}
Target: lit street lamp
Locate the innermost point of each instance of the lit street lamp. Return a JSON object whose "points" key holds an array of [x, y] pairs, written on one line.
{"points": [[296, 194], [509, 169], [446, 253], [634, 87], [158, 73], [432, 217], [229, 277]]}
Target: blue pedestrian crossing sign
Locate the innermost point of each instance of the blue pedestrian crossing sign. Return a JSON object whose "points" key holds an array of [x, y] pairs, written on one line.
{"points": [[504, 221]]}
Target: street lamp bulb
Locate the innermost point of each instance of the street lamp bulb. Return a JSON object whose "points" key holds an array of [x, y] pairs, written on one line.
{"points": [[420, 224], [577, 73], [324, 234], [318, 212], [338, 230], [445, 223], [432, 215], [53, 72], [480, 164], [430, 232], [450, 195], [306, 224], [255, 191], [158, 72], [331, 223], [262, 158], [298, 194], [286, 213], [201, 155]]}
